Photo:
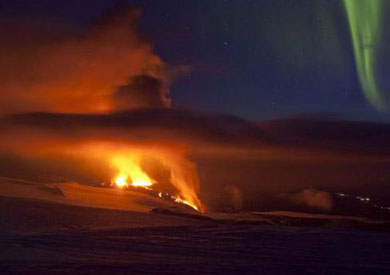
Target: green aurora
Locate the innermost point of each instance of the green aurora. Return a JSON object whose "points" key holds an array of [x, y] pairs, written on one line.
{"points": [[365, 19]]}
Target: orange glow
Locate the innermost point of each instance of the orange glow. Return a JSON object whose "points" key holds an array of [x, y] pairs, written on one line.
{"points": [[121, 181], [179, 200], [130, 171], [127, 169]]}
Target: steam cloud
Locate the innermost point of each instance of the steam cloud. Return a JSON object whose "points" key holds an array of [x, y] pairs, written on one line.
{"points": [[313, 198], [235, 196]]}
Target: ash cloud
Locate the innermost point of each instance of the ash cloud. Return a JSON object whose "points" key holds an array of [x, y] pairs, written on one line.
{"points": [[46, 65]]}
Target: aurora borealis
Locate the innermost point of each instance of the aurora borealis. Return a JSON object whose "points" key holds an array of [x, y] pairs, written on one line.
{"points": [[366, 23]]}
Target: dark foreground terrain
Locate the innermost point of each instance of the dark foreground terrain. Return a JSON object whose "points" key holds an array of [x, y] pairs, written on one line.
{"points": [[75, 229], [184, 250], [89, 243], [196, 250]]}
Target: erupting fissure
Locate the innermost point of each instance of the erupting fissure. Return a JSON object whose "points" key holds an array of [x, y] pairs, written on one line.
{"points": [[128, 163], [130, 174], [122, 181]]}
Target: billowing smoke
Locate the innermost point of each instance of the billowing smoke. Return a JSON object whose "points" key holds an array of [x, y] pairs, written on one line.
{"points": [[48, 66]]}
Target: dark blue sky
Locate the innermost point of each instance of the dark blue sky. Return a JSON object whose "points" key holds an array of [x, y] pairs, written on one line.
{"points": [[256, 59]]}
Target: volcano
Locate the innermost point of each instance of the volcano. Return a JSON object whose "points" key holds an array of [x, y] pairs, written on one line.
{"points": [[118, 155]]}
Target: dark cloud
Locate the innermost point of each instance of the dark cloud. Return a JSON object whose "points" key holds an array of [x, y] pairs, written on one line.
{"points": [[144, 125], [142, 91], [333, 134], [196, 129]]}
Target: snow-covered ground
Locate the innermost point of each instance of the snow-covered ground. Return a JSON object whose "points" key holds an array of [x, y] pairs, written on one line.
{"points": [[44, 229]]}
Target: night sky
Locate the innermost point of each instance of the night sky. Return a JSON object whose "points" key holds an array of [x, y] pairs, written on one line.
{"points": [[255, 59]]}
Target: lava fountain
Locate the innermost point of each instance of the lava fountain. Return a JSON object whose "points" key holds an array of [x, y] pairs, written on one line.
{"points": [[128, 171]]}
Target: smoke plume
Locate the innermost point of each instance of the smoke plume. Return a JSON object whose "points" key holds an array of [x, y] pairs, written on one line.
{"points": [[48, 66]]}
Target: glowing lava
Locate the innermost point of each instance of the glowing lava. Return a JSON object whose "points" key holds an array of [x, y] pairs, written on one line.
{"points": [[121, 181], [127, 166], [130, 171], [179, 200]]}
